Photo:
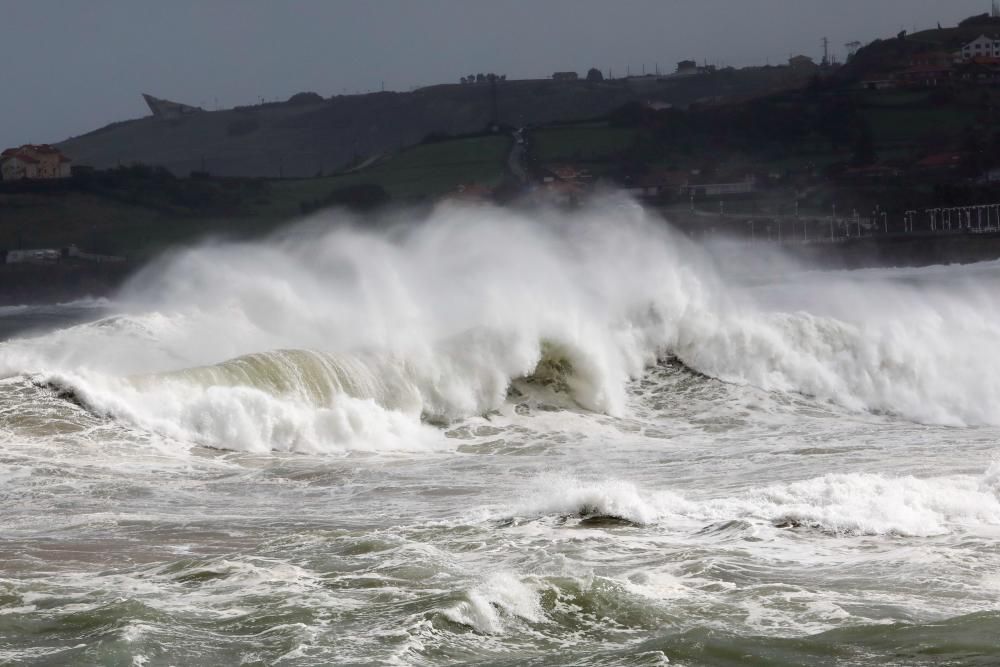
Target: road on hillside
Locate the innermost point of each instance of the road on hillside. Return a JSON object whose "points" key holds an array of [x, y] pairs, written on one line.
{"points": [[515, 159]]}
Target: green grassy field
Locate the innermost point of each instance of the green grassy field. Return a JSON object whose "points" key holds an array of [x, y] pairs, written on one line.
{"points": [[893, 98], [424, 171], [580, 143], [892, 127], [102, 224], [142, 225]]}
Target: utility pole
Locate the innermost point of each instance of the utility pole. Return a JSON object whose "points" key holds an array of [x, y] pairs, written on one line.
{"points": [[826, 51]]}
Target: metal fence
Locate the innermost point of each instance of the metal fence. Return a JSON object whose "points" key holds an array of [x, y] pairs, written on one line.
{"points": [[976, 219]]}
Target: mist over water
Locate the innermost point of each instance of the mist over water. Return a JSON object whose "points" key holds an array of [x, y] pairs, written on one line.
{"points": [[501, 435]]}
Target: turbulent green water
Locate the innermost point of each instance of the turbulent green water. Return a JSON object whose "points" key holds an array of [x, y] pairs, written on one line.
{"points": [[119, 548]]}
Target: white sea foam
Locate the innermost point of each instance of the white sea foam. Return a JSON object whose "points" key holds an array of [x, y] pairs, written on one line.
{"points": [[493, 605], [851, 503], [437, 318], [616, 499]]}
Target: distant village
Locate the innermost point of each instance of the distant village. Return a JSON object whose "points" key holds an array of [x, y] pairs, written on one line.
{"points": [[977, 62], [907, 129]]}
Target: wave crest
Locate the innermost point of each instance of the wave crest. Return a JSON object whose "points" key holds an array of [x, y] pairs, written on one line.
{"points": [[438, 320]]}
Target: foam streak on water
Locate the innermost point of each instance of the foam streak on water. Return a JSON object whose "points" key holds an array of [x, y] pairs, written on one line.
{"points": [[500, 437]]}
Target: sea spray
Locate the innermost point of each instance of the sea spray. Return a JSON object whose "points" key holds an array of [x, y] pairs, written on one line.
{"points": [[355, 330], [847, 503]]}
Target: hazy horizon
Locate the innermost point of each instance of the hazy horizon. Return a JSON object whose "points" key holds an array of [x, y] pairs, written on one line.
{"points": [[95, 58]]}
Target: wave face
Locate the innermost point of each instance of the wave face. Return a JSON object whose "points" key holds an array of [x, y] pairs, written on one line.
{"points": [[518, 437], [339, 337]]}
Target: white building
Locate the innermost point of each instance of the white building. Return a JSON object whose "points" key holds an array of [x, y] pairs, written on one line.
{"points": [[746, 186], [32, 256], [982, 47], [30, 162]]}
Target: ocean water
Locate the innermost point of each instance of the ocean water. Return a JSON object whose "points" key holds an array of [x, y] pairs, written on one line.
{"points": [[497, 437]]}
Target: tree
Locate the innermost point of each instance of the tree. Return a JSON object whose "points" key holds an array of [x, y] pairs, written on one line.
{"points": [[305, 98], [864, 146], [837, 119], [480, 78], [981, 19], [463, 80], [594, 74], [975, 160]]}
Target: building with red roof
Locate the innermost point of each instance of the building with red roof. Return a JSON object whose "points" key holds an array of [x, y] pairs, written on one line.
{"points": [[33, 162]]}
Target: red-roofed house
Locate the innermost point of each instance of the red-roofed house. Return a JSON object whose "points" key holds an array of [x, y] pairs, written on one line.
{"points": [[472, 192], [33, 162], [927, 70], [570, 172], [941, 161], [659, 183]]}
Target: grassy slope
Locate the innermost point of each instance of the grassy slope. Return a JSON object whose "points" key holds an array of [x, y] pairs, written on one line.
{"points": [[584, 142], [143, 229], [892, 126], [900, 120], [427, 170]]}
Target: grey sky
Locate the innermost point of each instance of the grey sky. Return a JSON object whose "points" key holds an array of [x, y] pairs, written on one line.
{"points": [[71, 66]]}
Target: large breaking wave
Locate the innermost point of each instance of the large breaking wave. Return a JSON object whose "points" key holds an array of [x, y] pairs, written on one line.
{"points": [[339, 336]]}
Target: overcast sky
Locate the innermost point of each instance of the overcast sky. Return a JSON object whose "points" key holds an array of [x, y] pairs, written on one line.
{"points": [[71, 66]]}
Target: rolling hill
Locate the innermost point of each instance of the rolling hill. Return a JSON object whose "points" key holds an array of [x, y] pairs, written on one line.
{"points": [[305, 138]]}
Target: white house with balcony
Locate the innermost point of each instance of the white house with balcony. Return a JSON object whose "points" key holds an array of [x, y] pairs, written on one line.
{"points": [[982, 47]]}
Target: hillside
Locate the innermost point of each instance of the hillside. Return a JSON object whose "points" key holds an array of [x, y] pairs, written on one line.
{"points": [[139, 211], [884, 55], [298, 139]]}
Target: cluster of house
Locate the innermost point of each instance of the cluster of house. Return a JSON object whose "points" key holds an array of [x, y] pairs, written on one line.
{"points": [[978, 62], [53, 255], [34, 163], [569, 183]]}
